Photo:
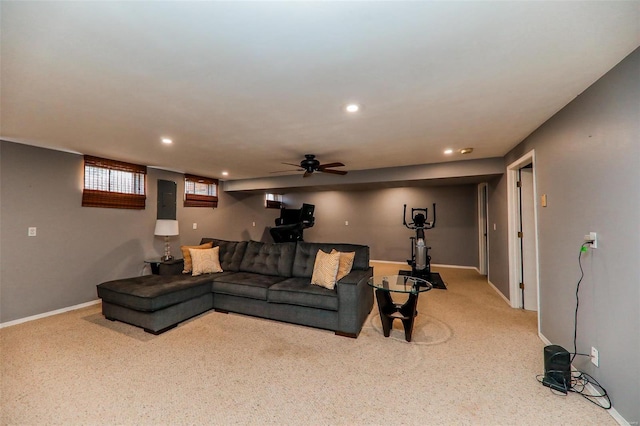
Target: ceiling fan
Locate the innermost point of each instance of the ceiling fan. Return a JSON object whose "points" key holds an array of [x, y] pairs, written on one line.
{"points": [[310, 165]]}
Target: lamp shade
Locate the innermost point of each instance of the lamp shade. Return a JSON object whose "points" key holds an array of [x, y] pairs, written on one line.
{"points": [[166, 227]]}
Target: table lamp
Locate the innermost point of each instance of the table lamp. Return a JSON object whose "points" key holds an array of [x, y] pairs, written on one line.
{"points": [[166, 229]]}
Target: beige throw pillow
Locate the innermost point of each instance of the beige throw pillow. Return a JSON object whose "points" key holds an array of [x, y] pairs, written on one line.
{"points": [[205, 261], [186, 255], [325, 269], [346, 263]]}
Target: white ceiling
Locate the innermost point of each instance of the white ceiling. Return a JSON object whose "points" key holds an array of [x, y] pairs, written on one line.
{"points": [[245, 86]]}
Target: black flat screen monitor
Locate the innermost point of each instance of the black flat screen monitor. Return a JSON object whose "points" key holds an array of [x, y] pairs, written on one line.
{"points": [[289, 216], [306, 212]]}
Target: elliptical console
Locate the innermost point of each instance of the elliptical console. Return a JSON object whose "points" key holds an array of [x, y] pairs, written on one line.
{"points": [[420, 261]]}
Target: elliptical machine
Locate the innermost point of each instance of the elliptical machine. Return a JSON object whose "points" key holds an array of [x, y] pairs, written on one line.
{"points": [[420, 261]]}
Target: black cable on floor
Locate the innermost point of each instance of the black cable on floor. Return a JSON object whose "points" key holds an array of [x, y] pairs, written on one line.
{"points": [[579, 384], [579, 379]]}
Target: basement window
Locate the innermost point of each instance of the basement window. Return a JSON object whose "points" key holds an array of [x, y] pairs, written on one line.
{"points": [[200, 191], [113, 184], [273, 201]]}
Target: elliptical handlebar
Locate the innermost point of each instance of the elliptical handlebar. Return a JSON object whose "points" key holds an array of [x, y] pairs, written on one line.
{"points": [[404, 217], [419, 220], [433, 224]]}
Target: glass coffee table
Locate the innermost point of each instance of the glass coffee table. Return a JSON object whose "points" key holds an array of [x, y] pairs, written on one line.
{"points": [[407, 312]]}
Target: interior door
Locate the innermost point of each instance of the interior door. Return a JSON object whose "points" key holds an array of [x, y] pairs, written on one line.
{"points": [[483, 227], [528, 246]]}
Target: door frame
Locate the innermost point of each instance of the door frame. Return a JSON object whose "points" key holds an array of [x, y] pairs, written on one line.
{"points": [[483, 234], [515, 296]]}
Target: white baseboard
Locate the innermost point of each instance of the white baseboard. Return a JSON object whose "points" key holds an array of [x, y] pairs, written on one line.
{"points": [[499, 292], [612, 411], [440, 265], [389, 261], [544, 339], [589, 387], [436, 265], [48, 314]]}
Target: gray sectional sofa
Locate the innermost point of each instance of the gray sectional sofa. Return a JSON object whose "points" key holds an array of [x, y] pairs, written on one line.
{"points": [[265, 280]]}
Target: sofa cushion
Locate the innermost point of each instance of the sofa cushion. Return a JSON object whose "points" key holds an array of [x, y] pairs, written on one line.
{"points": [[300, 291], [186, 255], [245, 284], [205, 261], [231, 252], [268, 259], [325, 269], [306, 256], [346, 263], [152, 292]]}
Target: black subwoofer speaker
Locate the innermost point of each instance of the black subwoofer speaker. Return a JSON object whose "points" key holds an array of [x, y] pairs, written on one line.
{"points": [[557, 368]]}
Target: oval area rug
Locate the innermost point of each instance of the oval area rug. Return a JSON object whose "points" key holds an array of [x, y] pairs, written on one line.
{"points": [[427, 330]]}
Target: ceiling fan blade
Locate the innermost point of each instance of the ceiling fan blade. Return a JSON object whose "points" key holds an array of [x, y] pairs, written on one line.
{"points": [[291, 164], [335, 172], [287, 171], [306, 174], [330, 165]]}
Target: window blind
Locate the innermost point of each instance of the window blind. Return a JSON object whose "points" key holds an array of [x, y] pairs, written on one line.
{"points": [[200, 191], [273, 201], [113, 184]]}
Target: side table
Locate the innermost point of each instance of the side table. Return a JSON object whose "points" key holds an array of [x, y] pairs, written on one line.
{"points": [[407, 312], [155, 264]]}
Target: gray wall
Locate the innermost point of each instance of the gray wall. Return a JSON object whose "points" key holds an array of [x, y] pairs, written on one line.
{"points": [[588, 164], [375, 219], [78, 247]]}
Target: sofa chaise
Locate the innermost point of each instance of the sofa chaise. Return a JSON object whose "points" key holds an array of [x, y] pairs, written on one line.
{"points": [[266, 280]]}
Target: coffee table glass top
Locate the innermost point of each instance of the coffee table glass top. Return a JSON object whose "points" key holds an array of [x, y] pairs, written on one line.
{"points": [[400, 284]]}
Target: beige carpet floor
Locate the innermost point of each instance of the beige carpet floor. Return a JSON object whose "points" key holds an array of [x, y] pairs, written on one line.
{"points": [[473, 362]]}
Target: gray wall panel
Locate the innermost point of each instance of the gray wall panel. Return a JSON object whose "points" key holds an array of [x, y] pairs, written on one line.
{"points": [[375, 219]]}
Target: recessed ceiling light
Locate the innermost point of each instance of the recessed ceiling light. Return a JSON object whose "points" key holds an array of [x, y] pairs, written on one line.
{"points": [[166, 140], [225, 173], [353, 108], [448, 151]]}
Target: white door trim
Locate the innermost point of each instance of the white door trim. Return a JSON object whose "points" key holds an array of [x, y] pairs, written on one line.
{"points": [[514, 218]]}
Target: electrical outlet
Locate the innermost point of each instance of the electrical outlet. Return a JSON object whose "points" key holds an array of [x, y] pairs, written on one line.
{"points": [[595, 357], [593, 240], [195, 226], [254, 224], [31, 231], [346, 223]]}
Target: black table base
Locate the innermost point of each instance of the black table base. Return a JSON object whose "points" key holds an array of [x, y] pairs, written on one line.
{"points": [[389, 311]]}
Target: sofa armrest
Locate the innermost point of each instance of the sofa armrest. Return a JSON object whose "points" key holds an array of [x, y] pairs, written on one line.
{"points": [[173, 267], [355, 301], [354, 277]]}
